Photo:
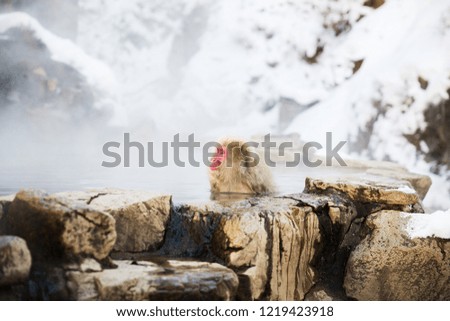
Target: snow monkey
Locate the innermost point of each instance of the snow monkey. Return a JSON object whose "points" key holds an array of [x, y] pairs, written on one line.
{"points": [[236, 167]]}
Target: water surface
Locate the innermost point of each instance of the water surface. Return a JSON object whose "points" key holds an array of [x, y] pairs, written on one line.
{"points": [[185, 184]]}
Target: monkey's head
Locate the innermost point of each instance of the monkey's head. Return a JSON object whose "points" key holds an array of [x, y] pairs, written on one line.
{"points": [[236, 168], [231, 153]]}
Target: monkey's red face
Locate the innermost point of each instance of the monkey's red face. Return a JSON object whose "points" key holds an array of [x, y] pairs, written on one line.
{"points": [[219, 158]]}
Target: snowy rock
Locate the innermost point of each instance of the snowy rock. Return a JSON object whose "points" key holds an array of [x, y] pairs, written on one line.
{"points": [[58, 228], [145, 280], [141, 217], [393, 171], [390, 264], [15, 260], [421, 183], [367, 190]]}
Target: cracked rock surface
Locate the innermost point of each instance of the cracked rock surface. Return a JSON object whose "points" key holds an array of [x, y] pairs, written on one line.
{"points": [[163, 280], [268, 242], [57, 228], [390, 265], [141, 217], [368, 189]]}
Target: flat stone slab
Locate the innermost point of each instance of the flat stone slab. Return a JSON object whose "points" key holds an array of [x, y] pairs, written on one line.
{"points": [[366, 189], [144, 280], [421, 183]]}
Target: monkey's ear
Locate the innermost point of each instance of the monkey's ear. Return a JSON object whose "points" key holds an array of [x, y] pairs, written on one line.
{"points": [[249, 156]]}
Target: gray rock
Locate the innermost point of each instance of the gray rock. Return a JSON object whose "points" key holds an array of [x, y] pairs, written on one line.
{"points": [[141, 217], [58, 228], [390, 265], [170, 280], [271, 247], [15, 260], [5, 201], [269, 242], [320, 294]]}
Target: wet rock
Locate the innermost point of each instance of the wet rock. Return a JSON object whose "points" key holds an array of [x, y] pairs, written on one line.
{"points": [[140, 280], [191, 227], [272, 248], [269, 242], [15, 260], [339, 211], [296, 235], [389, 264], [342, 228], [58, 228], [48, 281], [368, 189], [339, 223], [241, 241], [5, 201], [321, 293], [141, 217]]}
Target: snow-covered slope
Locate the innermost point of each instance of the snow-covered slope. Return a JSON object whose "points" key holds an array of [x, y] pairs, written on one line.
{"points": [[187, 62]]}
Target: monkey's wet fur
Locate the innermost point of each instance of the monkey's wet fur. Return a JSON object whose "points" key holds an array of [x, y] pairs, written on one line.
{"points": [[237, 167]]}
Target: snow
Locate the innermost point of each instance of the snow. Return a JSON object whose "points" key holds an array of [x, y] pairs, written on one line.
{"points": [[436, 224], [215, 56], [218, 68], [438, 196], [213, 67]]}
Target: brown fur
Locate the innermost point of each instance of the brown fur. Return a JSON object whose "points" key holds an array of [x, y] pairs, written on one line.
{"points": [[239, 173]]}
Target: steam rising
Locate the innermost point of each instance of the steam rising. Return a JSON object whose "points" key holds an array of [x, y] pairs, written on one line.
{"points": [[79, 75]]}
